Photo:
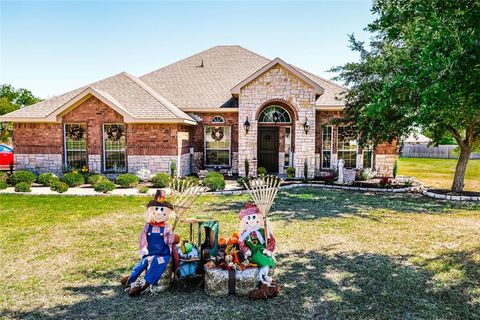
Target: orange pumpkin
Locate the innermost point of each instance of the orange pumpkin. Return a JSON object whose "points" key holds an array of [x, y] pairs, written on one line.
{"points": [[236, 234], [222, 241], [233, 241]]}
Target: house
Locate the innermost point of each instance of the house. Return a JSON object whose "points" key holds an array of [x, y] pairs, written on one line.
{"points": [[219, 108]]}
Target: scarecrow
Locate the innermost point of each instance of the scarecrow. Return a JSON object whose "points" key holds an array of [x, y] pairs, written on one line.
{"points": [[156, 241]]}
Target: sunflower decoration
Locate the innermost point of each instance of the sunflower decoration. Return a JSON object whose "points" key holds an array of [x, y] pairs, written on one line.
{"points": [[218, 133], [75, 132], [114, 133]]}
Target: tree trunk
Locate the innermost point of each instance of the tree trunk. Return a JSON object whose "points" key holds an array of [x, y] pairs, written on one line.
{"points": [[459, 178]]}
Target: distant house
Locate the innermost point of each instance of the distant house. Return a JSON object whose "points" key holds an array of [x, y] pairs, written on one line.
{"points": [[218, 109], [417, 139]]}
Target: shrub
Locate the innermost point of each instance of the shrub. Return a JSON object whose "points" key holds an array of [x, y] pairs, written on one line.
{"points": [[193, 179], [173, 168], [365, 174], [261, 171], [3, 185], [243, 181], [127, 180], [142, 189], [47, 179], [22, 176], [3, 176], [408, 183], [291, 172], [395, 169], [247, 168], [96, 178], [73, 179], [104, 186], [22, 187], [144, 174], [161, 180], [385, 182], [59, 187], [214, 181], [305, 170]]}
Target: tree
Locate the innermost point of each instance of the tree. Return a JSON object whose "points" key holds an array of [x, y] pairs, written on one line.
{"points": [[421, 69], [11, 100]]}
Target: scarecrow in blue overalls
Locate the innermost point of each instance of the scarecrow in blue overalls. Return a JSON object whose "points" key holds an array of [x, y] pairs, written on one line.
{"points": [[156, 241]]}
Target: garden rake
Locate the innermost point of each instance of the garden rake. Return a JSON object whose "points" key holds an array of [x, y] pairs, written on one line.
{"points": [[183, 193]]}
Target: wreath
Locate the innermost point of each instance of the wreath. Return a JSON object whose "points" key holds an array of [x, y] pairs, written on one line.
{"points": [[218, 133], [114, 133], [75, 133]]}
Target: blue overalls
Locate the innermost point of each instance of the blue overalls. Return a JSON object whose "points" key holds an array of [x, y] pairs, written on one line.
{"points": [[161, 256]]}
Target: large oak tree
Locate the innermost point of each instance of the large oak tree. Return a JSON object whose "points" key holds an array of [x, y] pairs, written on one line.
{"points": [[420, 69]]}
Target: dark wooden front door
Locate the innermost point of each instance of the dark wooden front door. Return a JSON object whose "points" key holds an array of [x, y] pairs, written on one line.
{"points": [[268, 148]]}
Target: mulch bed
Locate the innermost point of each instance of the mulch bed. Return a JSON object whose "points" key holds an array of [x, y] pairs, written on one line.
{"points": [[447, 192]]}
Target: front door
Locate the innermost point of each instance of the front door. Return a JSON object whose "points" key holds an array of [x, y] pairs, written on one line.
{"points": [[268, 148]]}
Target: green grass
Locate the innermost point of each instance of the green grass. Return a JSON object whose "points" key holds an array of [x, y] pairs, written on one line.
{"points": [[341, 255], [438, 173]]}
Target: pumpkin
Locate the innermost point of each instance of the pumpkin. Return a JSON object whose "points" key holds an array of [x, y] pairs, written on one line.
{"points": [[236, 234], [233, 241], [222, 241]]}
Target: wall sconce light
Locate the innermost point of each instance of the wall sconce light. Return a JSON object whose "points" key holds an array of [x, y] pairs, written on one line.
{"points": [[246, 125], [306, 126]]}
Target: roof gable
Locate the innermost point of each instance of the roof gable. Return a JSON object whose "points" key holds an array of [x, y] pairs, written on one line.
{"points": [[318, 89]]}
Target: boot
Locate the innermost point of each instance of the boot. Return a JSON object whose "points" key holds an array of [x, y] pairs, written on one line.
{"points": [[262, 292], [136, 291], [274, 290], [125, 281]]}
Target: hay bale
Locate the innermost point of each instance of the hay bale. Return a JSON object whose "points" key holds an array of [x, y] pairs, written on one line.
{"points": [[216, 281]]}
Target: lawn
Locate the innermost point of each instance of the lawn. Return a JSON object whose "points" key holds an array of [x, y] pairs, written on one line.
{"points": [[341, 255], [438, 173]]}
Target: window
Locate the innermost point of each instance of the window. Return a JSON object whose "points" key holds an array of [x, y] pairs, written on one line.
{"points": [[217, 146], [327, 136], [75, 146], [347, 146], [218, 119], [368, 157], [288, 147], [274, 114], [114, 147]]}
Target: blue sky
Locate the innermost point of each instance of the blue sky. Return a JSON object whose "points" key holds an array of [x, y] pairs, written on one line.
{"points": [[52, 47]]}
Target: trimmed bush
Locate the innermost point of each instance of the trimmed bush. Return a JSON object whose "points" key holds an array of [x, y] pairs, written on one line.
{"points": [[243, 181], [365, 174], [3, 185], [291, 172], [214, 181], [73, 179], [127, 180], [3, 176], [192, 179], [104, 186], [22, 176], [96, 178], [161, 180], [142, 189], [47, 179], [23, 187], [59, 187], [261, 171]]}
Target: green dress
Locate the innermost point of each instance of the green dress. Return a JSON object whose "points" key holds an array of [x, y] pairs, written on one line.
{"points": [[260, 259]]}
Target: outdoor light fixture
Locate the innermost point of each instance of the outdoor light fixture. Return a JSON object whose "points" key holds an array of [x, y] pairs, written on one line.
{"points": [[306, 126], [246, 126], [276, 117]]}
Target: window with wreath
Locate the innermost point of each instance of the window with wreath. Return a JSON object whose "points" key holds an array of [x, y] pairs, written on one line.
{"points": [[217, 146], [274, 114], [327, 133], [75, 145], [114, 148], [347, 146]]}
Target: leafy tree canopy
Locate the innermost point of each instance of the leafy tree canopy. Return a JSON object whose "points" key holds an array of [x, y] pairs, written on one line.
{"points": [[421, 69]]}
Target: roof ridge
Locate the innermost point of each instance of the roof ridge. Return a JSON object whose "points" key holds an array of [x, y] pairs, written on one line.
{"points": [[160, 98]]}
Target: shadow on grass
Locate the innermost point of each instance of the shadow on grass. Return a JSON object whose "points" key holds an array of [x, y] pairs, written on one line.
{"points": [[314, 203], [316, 285]]}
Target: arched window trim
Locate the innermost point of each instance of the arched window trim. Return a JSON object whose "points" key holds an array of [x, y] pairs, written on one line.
{"points": [[218, 119], [266, 116]]}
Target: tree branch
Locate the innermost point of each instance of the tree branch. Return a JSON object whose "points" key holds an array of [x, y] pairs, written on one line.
{"points": [[457, 136]]}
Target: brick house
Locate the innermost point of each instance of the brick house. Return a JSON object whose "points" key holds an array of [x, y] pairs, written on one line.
{"points": [[219, 109]]}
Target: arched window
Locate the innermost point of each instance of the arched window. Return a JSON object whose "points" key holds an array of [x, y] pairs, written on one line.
{"points": [[274, 114], [218, 119]]}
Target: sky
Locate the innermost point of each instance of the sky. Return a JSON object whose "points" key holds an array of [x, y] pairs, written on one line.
{"points": [[57, 46]]}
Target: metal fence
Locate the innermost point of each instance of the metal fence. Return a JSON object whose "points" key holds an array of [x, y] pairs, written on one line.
{"points": [[441, 152]]}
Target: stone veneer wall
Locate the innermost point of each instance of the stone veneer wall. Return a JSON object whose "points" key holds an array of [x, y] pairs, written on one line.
{"points": [[278, 85], [39, 162], [385, 156], [158, 164]]}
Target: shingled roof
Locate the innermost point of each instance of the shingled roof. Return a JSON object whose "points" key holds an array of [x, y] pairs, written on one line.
{"points": [[204, 80], [200, 82]]}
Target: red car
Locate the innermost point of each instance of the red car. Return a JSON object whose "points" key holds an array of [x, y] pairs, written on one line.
{"points": [[6, 157]]}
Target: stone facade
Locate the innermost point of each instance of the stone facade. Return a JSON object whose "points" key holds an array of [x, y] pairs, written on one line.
{"points": [[39, 162], [158, 164], [278, 86]]}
